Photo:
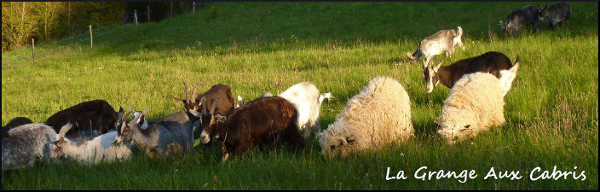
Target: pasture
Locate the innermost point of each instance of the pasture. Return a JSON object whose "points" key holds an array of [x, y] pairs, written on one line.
{"points": [[551, 109]]}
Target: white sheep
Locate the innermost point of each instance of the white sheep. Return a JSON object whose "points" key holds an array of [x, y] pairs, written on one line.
{"points": [[475, 103], [378, 116], [308, 99], [26, 144], [99, 149]]}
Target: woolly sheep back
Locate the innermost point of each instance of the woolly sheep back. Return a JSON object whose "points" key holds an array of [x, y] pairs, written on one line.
{"points": [[474, 104], [378, 116]]}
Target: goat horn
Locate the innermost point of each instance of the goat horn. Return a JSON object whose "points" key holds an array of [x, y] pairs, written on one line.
{"points": [[214, 105], [203, 102], [64, 129], [195, 91], [185, 89]]}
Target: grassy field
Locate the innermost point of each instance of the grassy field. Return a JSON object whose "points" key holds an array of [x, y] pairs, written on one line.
{"points": [[551, 110]]}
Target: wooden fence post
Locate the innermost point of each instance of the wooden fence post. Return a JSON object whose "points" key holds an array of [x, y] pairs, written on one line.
{"points": [[135, 16], [194, 7], [91, 38], [125, 23], [33, 49], [171, 9], [148, 13]]}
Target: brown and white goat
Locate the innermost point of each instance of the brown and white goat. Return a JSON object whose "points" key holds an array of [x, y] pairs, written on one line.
{"points": [[96, 116], [262, 121], [492, 62]]}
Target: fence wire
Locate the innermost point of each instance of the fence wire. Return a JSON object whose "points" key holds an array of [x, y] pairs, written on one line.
{"points": [[42, 46]]}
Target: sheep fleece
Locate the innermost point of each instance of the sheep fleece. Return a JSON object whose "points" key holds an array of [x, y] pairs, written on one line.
{"points": [[379, 115], [476, 100]]}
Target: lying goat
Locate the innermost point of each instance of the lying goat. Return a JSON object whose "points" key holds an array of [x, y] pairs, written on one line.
{"points": [[101, 148], [89, 119], [495, 63], [170, 136], [26, 144], [264, 120]]}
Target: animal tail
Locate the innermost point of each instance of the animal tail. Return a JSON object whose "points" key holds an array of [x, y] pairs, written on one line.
{"points": [[324, 96]]}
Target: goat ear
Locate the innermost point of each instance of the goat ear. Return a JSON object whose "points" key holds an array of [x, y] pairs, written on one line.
{"points": [[220, 118], [145, 111], [120, 113], [195, 113], [178, 100]]}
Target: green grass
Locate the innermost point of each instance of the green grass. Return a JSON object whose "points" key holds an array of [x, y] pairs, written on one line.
{"points": [[551, 110]]}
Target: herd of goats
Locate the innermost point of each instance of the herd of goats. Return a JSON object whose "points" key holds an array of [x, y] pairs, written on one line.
{"points": [[379, 115]]}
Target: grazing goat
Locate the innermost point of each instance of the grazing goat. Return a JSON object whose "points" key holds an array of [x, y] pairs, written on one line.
{"points": [[439, 43], [557, 13], [18, 121], [264, 120], [208, 100], [26, 144], [518, 19], [376, 117], [99, 149], [307, 99], [168, 137], [91, 117], [474, 104], [495, 63]]}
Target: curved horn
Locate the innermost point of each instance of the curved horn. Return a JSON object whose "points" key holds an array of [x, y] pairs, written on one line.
{"points": [[214, 105], [185, 89], [64, 129], [195, 90], [203, 102]]}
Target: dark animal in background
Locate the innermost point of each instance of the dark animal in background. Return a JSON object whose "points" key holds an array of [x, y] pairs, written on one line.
{"points": [[492, 62], [89, 119], [558, 13], [517, 20], [18, 121], [268, 120], [209, 100]]}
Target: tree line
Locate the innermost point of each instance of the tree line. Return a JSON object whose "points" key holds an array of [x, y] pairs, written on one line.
{"points": [[46, 21]]}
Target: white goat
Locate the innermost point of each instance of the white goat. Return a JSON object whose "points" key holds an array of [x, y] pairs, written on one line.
{"points": [[94, 151], [307, 99], [439, 43]]}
